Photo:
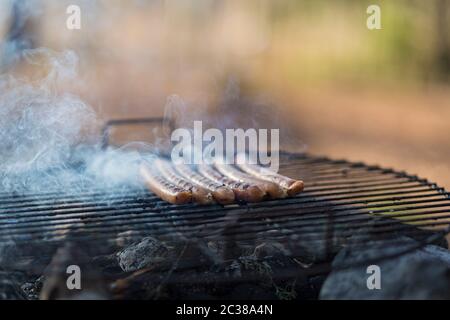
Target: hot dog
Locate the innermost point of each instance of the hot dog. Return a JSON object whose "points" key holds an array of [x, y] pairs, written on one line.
{"points": [[243, 191], [162, 188], [273, 190], [220, 192], [291, 186], [199, 194]]}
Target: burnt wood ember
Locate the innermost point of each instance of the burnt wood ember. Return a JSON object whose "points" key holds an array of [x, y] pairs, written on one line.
{"points": [[134, 245]]}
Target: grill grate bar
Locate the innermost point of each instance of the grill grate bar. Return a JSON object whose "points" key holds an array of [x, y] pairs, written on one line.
{"points": [[68, 192], [251, 226], [342, 202], [52, 213], [137, 193], [107, 200], [337, 219], [247, 234]]}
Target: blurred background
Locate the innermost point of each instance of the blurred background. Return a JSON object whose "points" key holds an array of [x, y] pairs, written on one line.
{"points": [[311, 68]]}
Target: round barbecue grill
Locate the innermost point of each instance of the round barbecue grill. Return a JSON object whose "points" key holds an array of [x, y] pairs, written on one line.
{"points": [[215, 248], [343, 204]]}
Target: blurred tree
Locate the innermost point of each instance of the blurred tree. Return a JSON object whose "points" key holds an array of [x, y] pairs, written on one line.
{"points": [[443, 48]]}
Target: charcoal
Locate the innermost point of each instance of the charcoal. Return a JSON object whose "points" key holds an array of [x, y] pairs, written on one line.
{"points": [[148, 252], [423, 273], [311, 248], [109, 265], [222, 250], [266, 267], [33, 288], [9, 289], [217, 250]]}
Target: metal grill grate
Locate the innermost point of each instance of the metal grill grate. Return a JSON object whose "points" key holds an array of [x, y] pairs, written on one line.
{"points": [[343, 203]]}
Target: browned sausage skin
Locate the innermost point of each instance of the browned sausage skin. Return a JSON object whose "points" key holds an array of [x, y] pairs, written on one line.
{"points": [[162, 188], [291, 186], [243, 191], [272, 189], [199, 194], [221, 194], [222, 183]]}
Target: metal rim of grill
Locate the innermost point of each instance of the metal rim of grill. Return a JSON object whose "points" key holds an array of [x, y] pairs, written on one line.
{"points": [[343, 203]]}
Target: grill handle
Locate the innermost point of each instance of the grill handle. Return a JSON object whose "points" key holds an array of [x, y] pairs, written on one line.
{"points": [[131, 121]]}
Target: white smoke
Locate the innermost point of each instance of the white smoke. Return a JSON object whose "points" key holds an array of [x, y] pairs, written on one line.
{"points": [[49, 138]]}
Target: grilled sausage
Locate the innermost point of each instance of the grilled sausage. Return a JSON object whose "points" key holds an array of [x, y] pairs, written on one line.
{"points": [[243, 191], [291, 186], [162, 188], [273, 190], [199, 194], [221, 194]]}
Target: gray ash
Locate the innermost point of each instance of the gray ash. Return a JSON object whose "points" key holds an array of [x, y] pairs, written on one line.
{"points": [[146, 253]]}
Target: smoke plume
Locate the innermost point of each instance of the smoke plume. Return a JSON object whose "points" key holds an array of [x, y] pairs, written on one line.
{"points": [[49, 137]]}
